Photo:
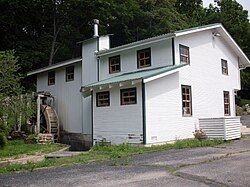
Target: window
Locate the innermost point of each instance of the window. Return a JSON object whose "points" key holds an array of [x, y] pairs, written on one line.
{"points": [[224, 67], [226, 103], [184, 54], [144, 58], [69, 73], [186, 101], [51, 78], [102, 99], [128, 96], [114, 64]]}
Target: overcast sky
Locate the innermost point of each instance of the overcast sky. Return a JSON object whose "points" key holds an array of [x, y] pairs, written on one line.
{"points": [[244, 3]]}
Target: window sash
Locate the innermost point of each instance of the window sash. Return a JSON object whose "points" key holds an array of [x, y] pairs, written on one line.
{"points": [[70, 73], [226, 103], [128, 96], [184, 54], [186, 101], [102, 99], [114, 64], [144, 58], [224, 67], [51, 78]]}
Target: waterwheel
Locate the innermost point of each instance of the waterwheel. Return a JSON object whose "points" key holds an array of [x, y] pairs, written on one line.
{"points": [[51, 120]]}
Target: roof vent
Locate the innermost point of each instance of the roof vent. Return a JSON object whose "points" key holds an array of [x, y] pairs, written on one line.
{"points": [[96, 23]]}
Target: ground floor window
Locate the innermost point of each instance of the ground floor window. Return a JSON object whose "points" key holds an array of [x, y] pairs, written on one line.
{"points": [[128, 96], [102, 99], [226, 103], [186, 101]]}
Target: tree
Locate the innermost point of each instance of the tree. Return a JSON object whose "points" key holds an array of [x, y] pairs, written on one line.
{"points": [[9, 76]]}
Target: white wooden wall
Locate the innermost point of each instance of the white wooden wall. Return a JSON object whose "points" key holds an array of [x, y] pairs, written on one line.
{"points": [[161, 55], [89, 75], [204, 75], [164, 121], [116, 121], [67, 97]]}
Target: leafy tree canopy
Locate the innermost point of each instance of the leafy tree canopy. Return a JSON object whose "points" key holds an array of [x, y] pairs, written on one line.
{"points": [[43, 32]]}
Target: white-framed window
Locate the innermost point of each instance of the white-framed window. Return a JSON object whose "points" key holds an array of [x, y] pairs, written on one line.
{"points": [[144, 58], [103, 99], [184, 54], [114, 64], [226, 103], [128, 96], [224, 67], [51, 78], [70, 73], [186, 100]]}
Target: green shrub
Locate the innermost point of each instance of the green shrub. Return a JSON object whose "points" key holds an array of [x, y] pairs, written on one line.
{"points": [[4, 129], [3, 140], [31, 139]]}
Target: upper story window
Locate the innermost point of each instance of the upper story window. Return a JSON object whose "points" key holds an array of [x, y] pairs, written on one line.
{"points": [[69, 73], [224, 67], [186, 101], [114, 64], [128, 96], [144, 58], [226, 103], [102, 99], [51, 78], [184, 54]]}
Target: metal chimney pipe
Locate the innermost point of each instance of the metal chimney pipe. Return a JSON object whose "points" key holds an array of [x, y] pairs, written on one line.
{"points": [[96, 23]]}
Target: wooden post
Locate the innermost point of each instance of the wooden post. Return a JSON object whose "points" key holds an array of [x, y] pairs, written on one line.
{"points": [[38, 114]]}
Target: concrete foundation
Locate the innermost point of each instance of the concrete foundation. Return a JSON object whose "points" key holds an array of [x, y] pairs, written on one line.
{"points": [[77, 141]]}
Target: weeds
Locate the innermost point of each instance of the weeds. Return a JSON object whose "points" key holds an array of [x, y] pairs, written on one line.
{"points": [[116, 154]]}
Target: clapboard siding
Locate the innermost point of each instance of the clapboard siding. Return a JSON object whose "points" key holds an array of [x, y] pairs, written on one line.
{"points": [[161, 55], [117, 122], [225, 128], [205, 75], [67, 97], [164, 118]]}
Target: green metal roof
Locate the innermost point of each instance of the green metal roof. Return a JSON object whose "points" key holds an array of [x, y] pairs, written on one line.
{"points": [[135, 75]]}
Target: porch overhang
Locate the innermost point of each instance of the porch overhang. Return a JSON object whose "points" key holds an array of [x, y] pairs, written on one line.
{"points": [[130, 78]]}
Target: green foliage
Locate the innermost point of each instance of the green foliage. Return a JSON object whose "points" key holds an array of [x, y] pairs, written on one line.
{"points": [[17, 148], [9, 78], [15, 111], [31, 139], [118, 155], [46, 31], [3, 140]]}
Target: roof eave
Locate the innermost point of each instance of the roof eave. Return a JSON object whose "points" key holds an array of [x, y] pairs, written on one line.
{"points": [[54, 66], [135, 44]]}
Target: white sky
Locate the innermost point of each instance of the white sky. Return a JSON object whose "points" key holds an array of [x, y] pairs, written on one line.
{"points": [[244, 3]]}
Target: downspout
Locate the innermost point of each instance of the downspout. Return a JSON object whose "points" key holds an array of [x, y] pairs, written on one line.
{"points": [[98, 60], [92, 118], [143, 113], [173, 51]]}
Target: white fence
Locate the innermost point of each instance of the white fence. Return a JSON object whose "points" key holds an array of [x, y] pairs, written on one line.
{"points": [[227, 128]]}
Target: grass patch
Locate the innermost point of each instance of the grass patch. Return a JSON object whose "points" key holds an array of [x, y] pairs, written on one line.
{"points": [[111, 153], [17, 148]]}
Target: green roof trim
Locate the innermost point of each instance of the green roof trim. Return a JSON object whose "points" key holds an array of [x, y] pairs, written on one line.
{"points": [[144, 74]]}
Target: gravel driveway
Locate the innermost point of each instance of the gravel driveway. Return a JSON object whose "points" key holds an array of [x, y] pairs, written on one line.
{"points": [[224, 165]]}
